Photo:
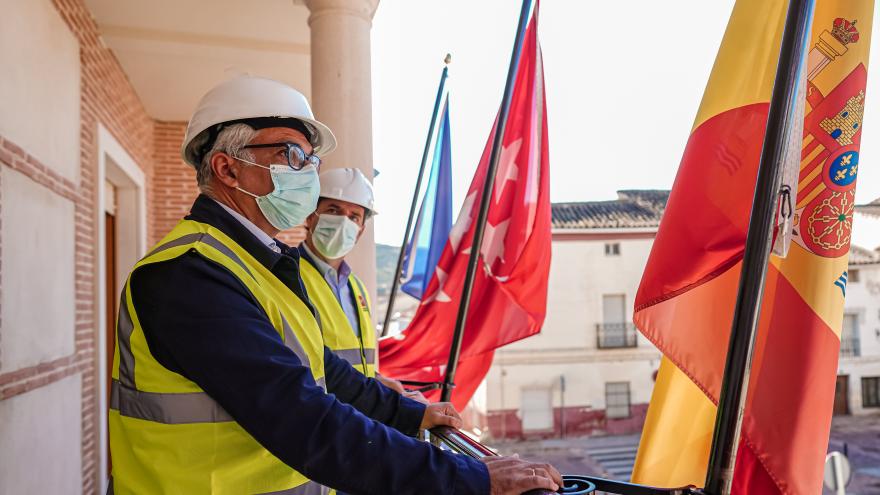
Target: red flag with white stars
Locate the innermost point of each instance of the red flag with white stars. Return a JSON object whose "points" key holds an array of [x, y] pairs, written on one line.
{"points": [[509, 298]]}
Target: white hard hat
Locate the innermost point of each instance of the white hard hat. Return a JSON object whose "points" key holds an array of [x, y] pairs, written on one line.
{"points": [[348, 184], [261, 100]]}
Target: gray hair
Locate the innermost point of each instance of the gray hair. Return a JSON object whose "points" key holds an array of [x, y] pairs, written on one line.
{"points": [[231, 140]]}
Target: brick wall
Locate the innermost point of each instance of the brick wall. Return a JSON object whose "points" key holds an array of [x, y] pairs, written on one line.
{"points": [[173, 188], [108, 98]]}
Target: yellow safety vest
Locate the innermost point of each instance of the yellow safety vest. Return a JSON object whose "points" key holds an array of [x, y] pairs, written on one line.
{"points": [[338, 334], [166, 434]]}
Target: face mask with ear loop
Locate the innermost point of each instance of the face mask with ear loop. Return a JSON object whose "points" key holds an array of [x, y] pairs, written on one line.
{"points": [[334, 236], [294, 198]]}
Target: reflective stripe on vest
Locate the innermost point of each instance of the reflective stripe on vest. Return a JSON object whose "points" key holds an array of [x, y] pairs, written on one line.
{"points": [[310, 488], [169, 436], [339, 336], [356, 357]]}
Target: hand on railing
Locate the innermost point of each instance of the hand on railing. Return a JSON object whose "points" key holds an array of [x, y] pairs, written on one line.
{"points": [[507, 475], [440, 414], [514, 476], [509, 471]]}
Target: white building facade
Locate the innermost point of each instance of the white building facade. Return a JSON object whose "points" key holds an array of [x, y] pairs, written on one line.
{"points": [[858, 378], [589, 371]]}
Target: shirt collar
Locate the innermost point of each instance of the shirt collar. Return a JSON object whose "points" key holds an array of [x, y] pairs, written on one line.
{"points": [[208, 211], [284, 265], [326, 270], [263, 237]]}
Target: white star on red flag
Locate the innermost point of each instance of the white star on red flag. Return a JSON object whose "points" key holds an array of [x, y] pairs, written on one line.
{"points": [[438, 294], [493, 243], [463, 223], [508, 169]]}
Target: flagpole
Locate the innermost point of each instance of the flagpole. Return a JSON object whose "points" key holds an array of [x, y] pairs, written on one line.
{"points": [[746, 316], [395, 280], [464, 303]]}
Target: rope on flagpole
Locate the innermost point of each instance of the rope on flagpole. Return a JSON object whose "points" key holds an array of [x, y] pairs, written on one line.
{"points": [[395, 280], [464, 302]]}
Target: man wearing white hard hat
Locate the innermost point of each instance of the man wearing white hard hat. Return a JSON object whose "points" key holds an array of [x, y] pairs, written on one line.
{"points": [[339, 296], [221, 380]]}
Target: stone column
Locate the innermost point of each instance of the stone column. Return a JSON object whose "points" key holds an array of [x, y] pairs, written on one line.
{"points": [[342, 99]]}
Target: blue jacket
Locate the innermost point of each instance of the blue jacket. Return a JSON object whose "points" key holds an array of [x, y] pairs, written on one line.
{"points": [[201, 322]]}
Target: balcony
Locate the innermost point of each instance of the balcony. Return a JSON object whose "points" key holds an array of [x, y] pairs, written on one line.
{"points": [[616, 335], [849, 347]]}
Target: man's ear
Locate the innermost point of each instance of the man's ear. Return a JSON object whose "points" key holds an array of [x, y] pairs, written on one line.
{"points": [[225, 169], [311, 220]]}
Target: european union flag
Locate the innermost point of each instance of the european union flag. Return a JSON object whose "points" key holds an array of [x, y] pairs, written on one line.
{"points": [[431, 229]]}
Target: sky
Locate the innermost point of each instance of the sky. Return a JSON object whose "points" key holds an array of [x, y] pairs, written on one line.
{"points": [[623, 84]]}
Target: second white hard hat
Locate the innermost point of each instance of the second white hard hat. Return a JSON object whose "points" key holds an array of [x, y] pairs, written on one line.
{"points": [[348, 184], [249, 97]]}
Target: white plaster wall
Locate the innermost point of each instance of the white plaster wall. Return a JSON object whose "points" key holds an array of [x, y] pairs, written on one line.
{"points": [[580, 274], [40, 86], [584, 382], [863, 300], [41, 440], [866, 231], [856, 368], [37, 303]]}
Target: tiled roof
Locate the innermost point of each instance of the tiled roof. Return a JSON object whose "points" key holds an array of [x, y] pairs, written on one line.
{"points": [[872, 208], [862, 256], [631, 209]]}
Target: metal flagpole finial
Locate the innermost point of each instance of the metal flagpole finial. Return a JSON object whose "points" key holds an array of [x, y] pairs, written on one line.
{"points": [[447, 59]]}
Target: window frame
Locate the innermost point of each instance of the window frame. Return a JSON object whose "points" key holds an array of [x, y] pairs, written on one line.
{"points": [[608, 402], [874, 401], [612, 249], [850, 343], [529, 429]]}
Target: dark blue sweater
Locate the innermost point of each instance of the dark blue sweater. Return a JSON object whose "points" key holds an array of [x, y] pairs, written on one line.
{"points": [[201, 322]]}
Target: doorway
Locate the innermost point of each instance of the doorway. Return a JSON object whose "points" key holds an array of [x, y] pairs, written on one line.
{"points": [[122, 239], [110, 270], [841, 395]]}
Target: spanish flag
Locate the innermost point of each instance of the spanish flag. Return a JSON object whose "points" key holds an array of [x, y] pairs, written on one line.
{"points": [[688, 291]]}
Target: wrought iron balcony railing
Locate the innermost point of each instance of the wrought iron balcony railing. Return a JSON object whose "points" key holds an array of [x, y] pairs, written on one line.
{"points": [[616, 335], [849, 347]]}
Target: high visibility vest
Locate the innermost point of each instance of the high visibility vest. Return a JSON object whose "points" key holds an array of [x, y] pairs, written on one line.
{"points": [[336, 328], [166, 434]]}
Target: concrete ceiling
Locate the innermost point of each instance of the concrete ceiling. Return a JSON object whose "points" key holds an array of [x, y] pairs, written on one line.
{"points": [[173, 51]]}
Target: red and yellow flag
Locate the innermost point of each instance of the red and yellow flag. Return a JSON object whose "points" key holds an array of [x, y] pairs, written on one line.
{"points": [[686, 298]]}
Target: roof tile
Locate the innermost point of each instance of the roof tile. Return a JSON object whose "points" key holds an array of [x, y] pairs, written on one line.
{"points": [[632, 209]]}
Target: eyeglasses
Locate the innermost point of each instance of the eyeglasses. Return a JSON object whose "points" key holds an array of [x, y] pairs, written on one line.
{"points": [[296, 157]]}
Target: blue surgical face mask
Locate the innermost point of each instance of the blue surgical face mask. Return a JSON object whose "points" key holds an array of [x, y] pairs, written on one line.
{"points": [[294, 198], [334, 236]]}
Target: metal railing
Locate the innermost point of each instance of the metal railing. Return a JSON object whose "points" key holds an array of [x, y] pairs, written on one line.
{"points": [[616, 335], [456, 441], [850, 347]]}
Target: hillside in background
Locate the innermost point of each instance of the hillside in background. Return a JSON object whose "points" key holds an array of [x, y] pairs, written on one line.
{"points": [[386, 261], [405, 305]]}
